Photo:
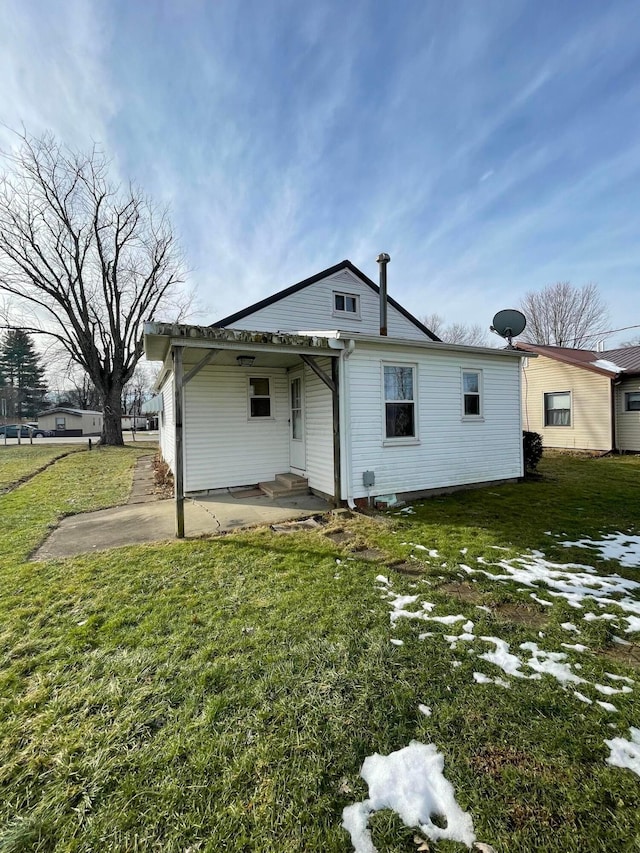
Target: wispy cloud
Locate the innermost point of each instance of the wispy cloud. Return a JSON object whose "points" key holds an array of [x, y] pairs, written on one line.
{"points": [[490, 148]]}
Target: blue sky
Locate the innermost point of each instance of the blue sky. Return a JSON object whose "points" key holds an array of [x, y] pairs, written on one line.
{"points": [[490, 147]]}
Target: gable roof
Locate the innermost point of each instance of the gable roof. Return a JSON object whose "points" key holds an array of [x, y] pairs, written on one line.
{"points": [[608, 363], [307, 282]]}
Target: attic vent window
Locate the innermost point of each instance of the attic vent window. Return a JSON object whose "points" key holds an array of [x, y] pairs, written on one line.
{"points": [[346, 303]]}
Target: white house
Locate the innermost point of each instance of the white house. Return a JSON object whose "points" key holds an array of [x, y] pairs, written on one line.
{"points": [[71, 422], [306, 382]]}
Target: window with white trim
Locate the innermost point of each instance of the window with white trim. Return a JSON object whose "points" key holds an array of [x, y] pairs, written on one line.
{"points": [[259, 397], [632, 401], [346, 303], [399, 401], [472, 393], [557, 408]]}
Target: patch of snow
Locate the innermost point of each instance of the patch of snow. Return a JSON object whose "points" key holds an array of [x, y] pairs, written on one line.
{"points": [[605, 364], [551, 663], [576, 583], [582, 697], [622, 547], [463, 551], [468, 627], [615, 677], [424, 709], [446, 620], [510, 664], [481, 678], [577, 647], [397, 642], [382, 579], [620, 641], [633, 623], [607, 706], [625, 753], [483, 607], [611, 691], [592, 617], [425, 635], [541, 600], [411, 783], [569, 626]]}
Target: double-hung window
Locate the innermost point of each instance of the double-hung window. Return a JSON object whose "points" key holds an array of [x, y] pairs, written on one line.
{"points": [[557, 409], [632, 401], [400, 401], [472, 394], [259, 397]]}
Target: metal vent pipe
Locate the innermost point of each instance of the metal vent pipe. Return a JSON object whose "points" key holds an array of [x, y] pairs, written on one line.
{"points": [[383, 259]]}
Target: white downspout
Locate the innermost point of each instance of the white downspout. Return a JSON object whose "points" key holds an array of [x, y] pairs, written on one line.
{"points": [[345, 421]]}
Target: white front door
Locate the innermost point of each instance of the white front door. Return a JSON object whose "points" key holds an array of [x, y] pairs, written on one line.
{"points": [[297, 449]]}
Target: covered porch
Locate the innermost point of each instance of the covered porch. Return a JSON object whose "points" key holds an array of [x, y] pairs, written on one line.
{"points": [[239, 409]]}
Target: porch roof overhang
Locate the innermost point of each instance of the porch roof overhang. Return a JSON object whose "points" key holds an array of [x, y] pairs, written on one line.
{"points": [[272, 349]]}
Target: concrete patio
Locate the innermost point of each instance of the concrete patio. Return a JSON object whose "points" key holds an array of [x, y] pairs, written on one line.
{"points": [[147, 519]]}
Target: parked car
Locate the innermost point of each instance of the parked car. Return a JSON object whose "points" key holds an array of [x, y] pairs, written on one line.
{"points": [[39, 432], [26, 430]]}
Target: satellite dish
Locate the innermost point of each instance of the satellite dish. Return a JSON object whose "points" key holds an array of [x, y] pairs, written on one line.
{"points": [[509, 323]]}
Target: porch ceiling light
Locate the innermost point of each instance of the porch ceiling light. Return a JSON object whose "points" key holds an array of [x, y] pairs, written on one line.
{"points": [[245, 360]]}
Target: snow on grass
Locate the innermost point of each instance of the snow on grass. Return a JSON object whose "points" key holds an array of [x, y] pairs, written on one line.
{"points": [[625, 753], [481, 678], [411, 782], [576, 647], [551, 663], [577, 584], [569, 626], [607, 706], [622, 547], [424, 709]]}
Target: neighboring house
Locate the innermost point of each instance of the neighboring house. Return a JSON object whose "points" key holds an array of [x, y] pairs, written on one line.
{"points": [[133, 422], [71, 422], [583, 400], [304, 383]]}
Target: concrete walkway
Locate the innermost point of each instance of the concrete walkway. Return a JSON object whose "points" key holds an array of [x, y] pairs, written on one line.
{"points": [[147, 519]]}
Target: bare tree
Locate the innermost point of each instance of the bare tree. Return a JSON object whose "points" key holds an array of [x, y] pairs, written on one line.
{"points": [[563, 315], [138, 389], [456, 333], [87, 261]]}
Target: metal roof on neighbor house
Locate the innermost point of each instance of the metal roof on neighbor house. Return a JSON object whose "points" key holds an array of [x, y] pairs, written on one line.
{"points": [[609, 363], [76, 412]]}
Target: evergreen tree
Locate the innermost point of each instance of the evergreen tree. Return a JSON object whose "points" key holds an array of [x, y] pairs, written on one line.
{"points": [[22, 375]]}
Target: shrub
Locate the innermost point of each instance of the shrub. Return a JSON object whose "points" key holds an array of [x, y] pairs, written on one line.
{"points": [[532, 446]]}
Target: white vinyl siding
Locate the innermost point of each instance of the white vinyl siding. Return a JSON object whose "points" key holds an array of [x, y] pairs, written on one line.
{"points": [[312, 309], [627, 422], [223, 446], [88, 422], [590, 392], [319, 429], [166, 425], [448, 453]]}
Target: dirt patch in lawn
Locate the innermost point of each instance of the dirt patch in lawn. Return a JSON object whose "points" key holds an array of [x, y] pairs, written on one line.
{"points": [[462, 591], [339, 536], [495, 759], [522, 614], [629, 655], [411, 568]]}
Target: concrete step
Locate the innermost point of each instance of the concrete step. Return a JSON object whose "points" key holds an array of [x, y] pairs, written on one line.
{"points": [[292, 481], [285, 485]]}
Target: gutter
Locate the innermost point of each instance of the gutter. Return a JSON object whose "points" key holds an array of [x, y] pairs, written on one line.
{"points": [[435, 346]]}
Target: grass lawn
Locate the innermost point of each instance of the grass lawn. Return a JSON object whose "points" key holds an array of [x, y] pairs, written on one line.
{"points": [[222, 694], [18, 462]]}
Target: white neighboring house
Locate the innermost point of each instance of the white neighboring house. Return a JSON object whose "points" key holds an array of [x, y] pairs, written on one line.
{"points": [[304, 383], [71, 421]]}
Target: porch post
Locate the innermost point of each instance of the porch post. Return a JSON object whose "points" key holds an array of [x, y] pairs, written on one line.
{"points": [[335, 395], [177, 408]]}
